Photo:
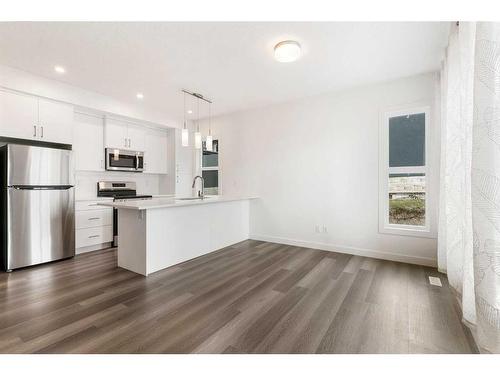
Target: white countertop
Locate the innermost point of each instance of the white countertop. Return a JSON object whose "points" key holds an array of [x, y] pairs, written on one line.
{"points": [[168, 202], [89, 199]]}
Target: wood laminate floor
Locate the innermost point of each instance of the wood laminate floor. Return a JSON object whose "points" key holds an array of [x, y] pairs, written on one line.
{"points": [[253, 297]]}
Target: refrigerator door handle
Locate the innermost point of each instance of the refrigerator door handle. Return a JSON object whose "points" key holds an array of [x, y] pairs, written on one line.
{"points": [[40, 187]]}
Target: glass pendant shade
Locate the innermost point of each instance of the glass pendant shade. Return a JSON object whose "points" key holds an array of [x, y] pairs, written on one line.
{"points": [[209, 143], [197, 140], [185, 137]]}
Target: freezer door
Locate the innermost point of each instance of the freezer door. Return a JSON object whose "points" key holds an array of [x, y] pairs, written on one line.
{"points": [[31, 165], [40, 226]]}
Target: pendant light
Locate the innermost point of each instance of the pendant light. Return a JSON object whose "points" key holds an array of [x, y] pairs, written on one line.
{"points": [[185, 130], [197, 135], [209, 142]]}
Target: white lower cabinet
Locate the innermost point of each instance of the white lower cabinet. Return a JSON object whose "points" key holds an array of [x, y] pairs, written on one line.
{"points": [[94, 226], [93, 236], [93, 218]]}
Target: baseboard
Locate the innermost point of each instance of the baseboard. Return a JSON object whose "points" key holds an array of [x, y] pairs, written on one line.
{"points": [[87, 249], [422, 261]]}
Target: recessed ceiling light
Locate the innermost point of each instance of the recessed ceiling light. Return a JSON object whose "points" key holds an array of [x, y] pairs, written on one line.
{"points": [[189, 111], [59, 69], [139, 95], [287, 51]]}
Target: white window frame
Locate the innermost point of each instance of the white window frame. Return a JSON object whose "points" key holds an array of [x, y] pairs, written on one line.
{"points": [[218, 169], [385, 170]]}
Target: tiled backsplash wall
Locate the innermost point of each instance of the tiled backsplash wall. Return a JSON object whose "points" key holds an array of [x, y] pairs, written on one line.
{"points": [[86, 183]]}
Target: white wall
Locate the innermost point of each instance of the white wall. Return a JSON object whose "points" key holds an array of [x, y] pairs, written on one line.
{"points": [[314, 161]]}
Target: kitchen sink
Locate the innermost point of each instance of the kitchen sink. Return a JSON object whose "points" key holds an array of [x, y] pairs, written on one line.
{"points": [[191, 198]]}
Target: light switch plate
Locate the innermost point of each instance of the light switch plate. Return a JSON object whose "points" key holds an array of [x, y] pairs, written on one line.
{"points": [[435, 281]]}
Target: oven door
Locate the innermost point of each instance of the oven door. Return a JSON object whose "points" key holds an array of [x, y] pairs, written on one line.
{"points": [[123, 160]]}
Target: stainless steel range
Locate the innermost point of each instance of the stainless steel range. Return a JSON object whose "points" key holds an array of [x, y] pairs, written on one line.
{"points": [[119, 191]]}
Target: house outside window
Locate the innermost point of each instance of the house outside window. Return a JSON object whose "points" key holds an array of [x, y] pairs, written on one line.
{"points": [[210, 168], [403, 164]]}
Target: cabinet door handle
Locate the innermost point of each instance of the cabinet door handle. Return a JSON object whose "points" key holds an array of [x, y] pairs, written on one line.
{"points": [[41, 132], [94, 218], [125, 139], [129, 142], [34, 131], [94, 236]]}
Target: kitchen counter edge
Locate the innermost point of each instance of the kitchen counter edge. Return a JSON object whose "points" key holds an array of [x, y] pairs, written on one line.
{"points": [[169, 203]]}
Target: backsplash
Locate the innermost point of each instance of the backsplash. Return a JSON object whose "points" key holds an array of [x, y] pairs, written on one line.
{"points": [[86, 183]]}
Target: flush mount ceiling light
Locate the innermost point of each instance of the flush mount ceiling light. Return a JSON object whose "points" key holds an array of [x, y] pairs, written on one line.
{"points": [[287, 51], [139, 95], [189, 111], [59, 69]]}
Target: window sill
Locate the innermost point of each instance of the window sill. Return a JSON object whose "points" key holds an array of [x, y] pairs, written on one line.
{"points": [[411, 231]]}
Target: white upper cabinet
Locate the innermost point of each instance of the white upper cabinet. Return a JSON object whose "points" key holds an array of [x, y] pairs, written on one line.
{"points": [[88, 147], [136, 136], [55, 121], [115, 134], [28, 117], [18, 115], [123, 135], [155, 156]]}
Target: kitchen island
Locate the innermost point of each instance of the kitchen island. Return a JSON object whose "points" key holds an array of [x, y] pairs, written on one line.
{"points": [[158, 233]]}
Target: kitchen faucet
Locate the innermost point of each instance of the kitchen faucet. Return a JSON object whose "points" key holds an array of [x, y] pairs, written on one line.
{"points": [[201, 193]]}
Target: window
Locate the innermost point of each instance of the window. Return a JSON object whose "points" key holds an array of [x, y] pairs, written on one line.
{"points": [[210, 168], [403, 172]]}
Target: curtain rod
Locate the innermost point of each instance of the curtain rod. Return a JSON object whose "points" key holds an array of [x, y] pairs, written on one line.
{"points": [[196, 95]]}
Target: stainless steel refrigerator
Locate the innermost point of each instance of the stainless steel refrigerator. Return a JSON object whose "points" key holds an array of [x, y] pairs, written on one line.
{"points": [[37, 205]]}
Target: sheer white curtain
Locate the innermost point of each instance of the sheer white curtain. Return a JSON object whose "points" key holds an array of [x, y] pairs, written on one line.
{"points": [[455, 228], [486, 184], [469, 215]]}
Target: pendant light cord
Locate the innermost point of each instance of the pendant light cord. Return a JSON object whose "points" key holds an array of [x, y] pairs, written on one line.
{"points": [[184, 97], [198, 115], [210, 119]]}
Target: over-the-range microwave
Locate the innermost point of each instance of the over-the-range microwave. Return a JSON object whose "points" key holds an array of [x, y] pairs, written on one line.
{"points": [[124, 160]]}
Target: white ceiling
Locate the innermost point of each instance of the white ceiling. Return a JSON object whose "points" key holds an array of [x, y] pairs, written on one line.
{"points": [[231, 63]]}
